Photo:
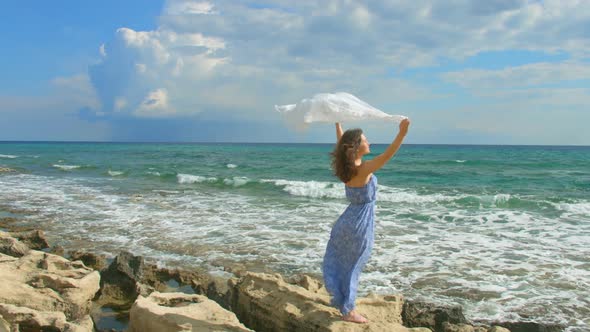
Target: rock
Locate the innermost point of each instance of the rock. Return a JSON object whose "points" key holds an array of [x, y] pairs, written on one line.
{"points": [[43, 292], [11, 224], [11, 246], [30, 319], [4, 326], [167, 312], [215, 288], [311, 284], [119, 286], [498, 329], [57, 250], [85, 324], [128, 277], [422, 314], [529, 326], [107, 319], [129, 265], [200, 282], [93, 261], [4, 221], [33, 239], [46, 282], [265, 302], [26, 319], [448, 327]]}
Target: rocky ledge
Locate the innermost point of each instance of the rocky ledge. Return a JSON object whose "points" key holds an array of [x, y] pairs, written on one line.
{"points": [[41, 291]]}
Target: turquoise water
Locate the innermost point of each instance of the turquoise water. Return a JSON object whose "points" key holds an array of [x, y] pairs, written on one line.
{"points": [[502, 230]]}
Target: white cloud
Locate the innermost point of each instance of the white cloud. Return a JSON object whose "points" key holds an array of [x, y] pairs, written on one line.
{"points": [[102, 50], [76, 89], [120, 104], [241, 59], [155, 105], [519, 76], [537, 103], [145, 62], [188, 7], [141, 68], [362, 16], [53, 116]]}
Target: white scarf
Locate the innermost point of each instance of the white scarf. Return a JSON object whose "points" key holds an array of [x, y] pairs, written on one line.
{"points": [[332, 107]]}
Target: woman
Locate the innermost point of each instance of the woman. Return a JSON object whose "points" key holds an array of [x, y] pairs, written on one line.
{"points": [[351, 239]]}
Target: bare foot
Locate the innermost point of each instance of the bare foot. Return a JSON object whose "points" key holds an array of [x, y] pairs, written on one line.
{"points": [[355, 318]]}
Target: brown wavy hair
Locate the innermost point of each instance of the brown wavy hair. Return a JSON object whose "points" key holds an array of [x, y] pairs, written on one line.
{"points": [[344, 154]]}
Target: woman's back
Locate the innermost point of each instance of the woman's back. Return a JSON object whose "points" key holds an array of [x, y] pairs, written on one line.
{"points": [[363, 194], [359, 180]]}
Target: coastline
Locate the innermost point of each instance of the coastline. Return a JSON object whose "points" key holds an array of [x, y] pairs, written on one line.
{"points": [[298, 303]]}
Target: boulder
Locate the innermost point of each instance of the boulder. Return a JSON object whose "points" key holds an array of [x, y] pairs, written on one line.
{"points": [[93, 261], [4, 326], [150, 277], [448, 327], [265, 302], [57, 250], [12, 224], [46, 282], [498, 329], [170, 312], [34, 239], [41, 291], [423, 314], [30, 319], [215, 288], [529, 326], [26, 319], [11, 246], [120, 282]]}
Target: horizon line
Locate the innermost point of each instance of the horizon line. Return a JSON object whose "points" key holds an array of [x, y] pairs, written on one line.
{"points": [[293, 143]]}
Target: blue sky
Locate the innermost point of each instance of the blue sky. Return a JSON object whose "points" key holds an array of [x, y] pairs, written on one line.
{"points": [[465, 72]]}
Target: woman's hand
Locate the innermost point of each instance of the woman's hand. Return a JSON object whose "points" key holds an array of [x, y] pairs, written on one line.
{"points": [[403, 126]]}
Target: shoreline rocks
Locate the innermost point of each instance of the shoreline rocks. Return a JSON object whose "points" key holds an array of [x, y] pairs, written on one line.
{"points": [[43, 291], [418, 313], [265, 302], [39, 289], [181, 312]]}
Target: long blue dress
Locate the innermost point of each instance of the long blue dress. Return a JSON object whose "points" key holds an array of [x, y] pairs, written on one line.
{"points": [[350, 245]]}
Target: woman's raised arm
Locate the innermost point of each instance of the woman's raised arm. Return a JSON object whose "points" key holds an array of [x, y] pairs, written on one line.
{"points": [[376, 163], [338, 131]]}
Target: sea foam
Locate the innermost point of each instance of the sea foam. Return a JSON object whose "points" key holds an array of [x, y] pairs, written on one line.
{"points": [[313, 189], [189, 178], [237, 181], [66, 167], [494, 261]]}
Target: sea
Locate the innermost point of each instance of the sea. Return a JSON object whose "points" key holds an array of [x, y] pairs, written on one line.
{"points": [[503, 231]]}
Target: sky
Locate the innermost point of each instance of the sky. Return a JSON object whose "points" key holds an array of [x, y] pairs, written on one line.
{"points": [[465, 72]]}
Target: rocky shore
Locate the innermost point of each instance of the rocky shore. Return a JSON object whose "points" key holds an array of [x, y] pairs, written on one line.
{"points": [[49, 289]]}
